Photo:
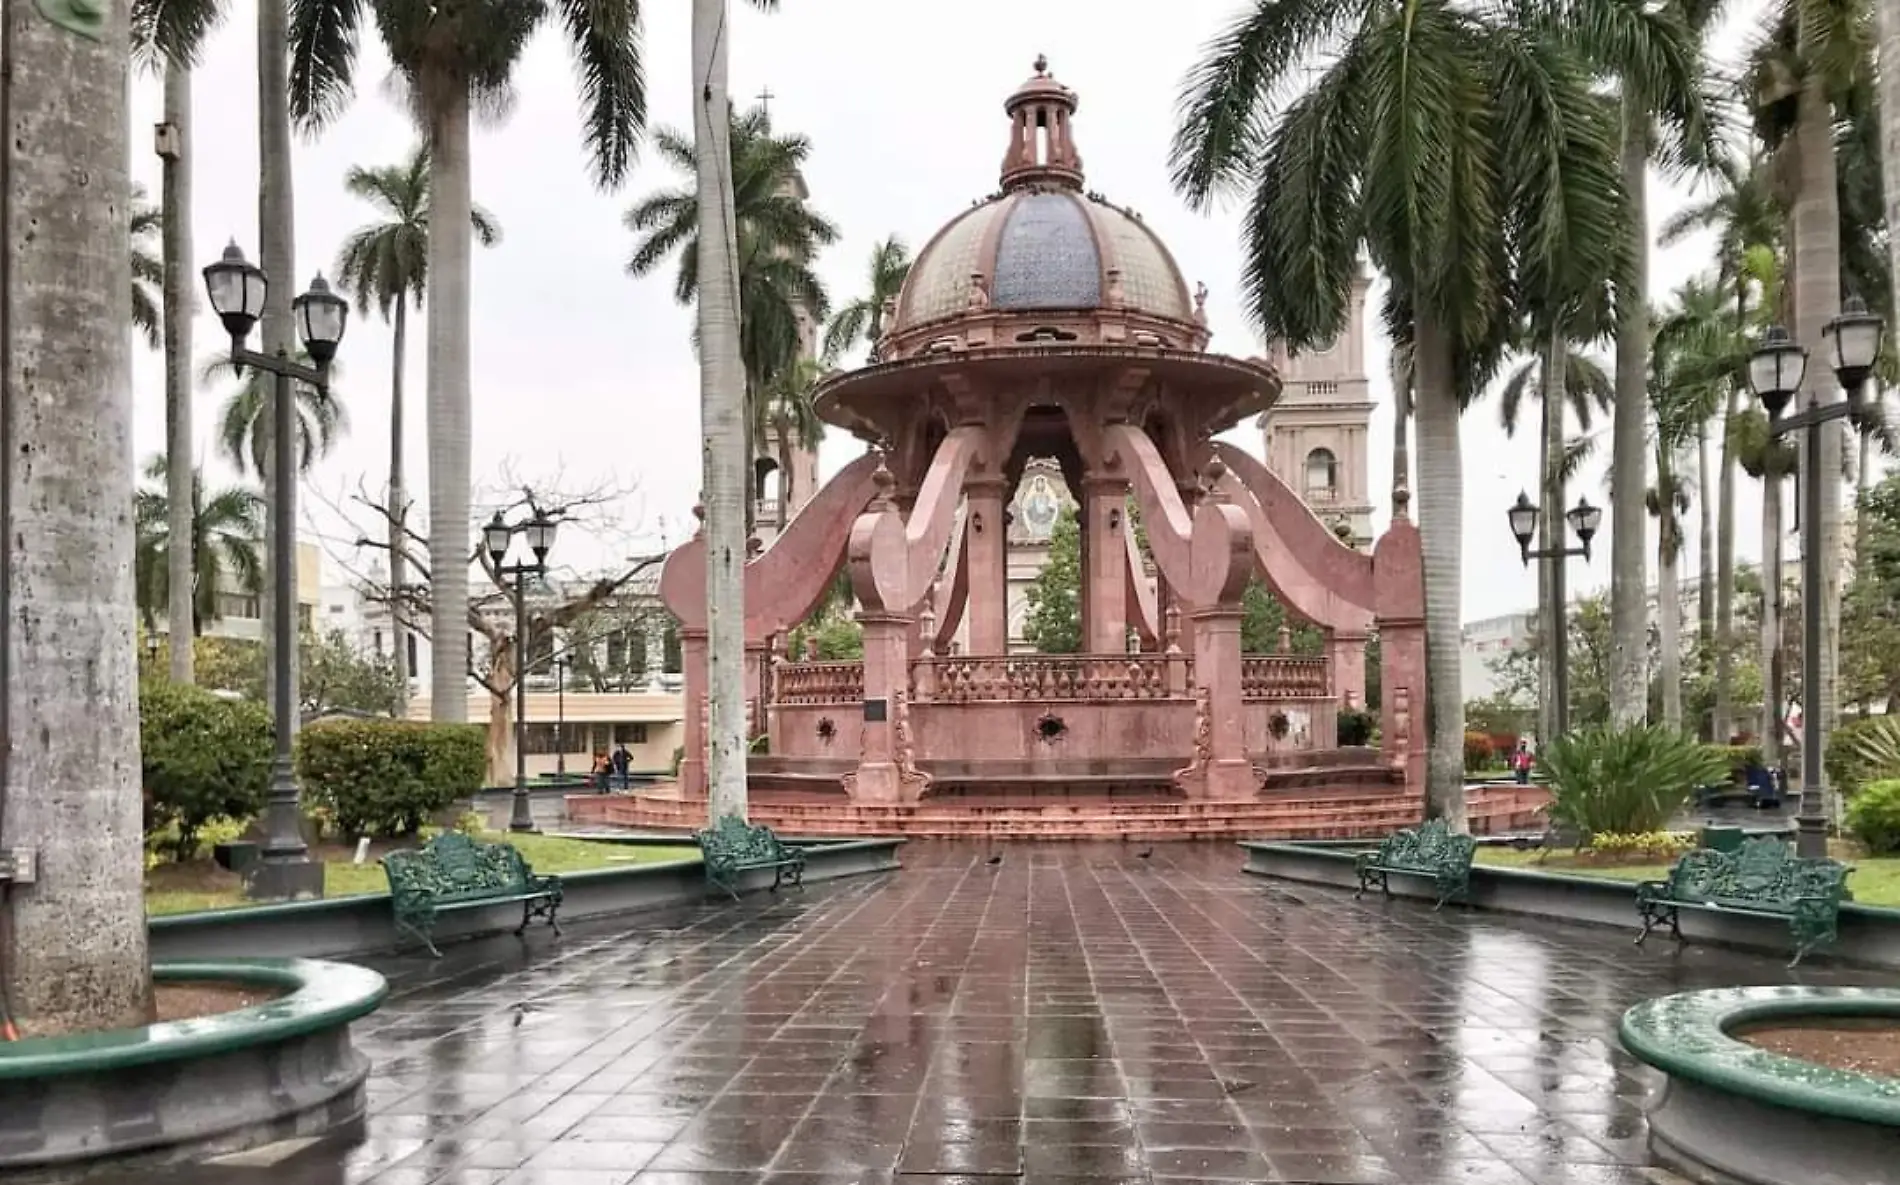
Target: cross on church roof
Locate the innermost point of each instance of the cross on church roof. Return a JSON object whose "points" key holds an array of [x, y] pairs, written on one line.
{"points": [[765, 100]]}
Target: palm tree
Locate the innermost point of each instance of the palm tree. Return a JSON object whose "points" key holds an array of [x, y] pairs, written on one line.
{"points": [[1557, 376], [777, 236], [453, 59], [244, 424], [386, 264], [1660, 85], [1747, 220], [73, 952], [1402, 147], [226, 531], [148, 272], [863, 318], [1888, 104]]}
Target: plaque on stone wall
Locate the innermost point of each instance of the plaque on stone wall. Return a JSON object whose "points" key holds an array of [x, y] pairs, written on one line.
{"points": [[876, 711]]}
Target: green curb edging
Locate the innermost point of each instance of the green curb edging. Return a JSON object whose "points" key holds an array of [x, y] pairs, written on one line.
{"points": [[1687, 1035], [321, 995]]}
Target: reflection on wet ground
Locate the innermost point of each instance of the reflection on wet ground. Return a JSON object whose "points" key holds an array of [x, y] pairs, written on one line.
{"points": [[1074, 1013]]}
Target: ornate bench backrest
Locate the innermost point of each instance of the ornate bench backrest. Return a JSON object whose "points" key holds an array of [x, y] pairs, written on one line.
{"points": [[453, 865], [1431, 845], [733, 840], [1764, 871]]}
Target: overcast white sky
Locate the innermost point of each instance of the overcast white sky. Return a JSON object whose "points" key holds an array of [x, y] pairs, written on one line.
{"points": [[586, 376]]}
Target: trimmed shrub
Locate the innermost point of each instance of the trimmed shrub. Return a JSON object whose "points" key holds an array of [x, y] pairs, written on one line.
{"points": [[1626, 781], [1873, 816], [387, 778], [203, 757], [1861, 751], [1354, 728], [1652, 845], [1478, 752]]}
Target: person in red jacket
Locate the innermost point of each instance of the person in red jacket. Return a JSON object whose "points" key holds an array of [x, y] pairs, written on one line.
{"points": [[1521, 762]]}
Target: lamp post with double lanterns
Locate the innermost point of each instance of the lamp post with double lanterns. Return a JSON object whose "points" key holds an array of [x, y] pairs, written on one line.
{"points": [[496, 536], [1775, 371], [1584, 519], [237, 289]]}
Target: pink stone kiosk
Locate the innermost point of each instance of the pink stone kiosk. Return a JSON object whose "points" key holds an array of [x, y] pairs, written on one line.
{"points": [[1047, 322]]}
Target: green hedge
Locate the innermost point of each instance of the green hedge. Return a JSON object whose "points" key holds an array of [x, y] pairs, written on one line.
{"points": [[1861, 751], [1873, 817], [202, 757], [1354, 727], [388, 778]]}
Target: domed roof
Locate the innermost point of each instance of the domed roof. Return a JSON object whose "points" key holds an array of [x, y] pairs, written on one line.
{"points": [[1043, 243]]}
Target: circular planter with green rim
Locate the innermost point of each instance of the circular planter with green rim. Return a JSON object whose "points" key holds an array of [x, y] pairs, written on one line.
{"points": [[192, 1088], [1730, 1112]]}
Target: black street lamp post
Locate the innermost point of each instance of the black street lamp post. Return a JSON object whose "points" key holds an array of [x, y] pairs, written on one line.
{"points": [[237, 289], [560, 716], [1775, 371], [1584, 519], [495, 537]]}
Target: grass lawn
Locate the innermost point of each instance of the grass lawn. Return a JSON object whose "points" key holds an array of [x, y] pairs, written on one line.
{"points": [[1874, 881], [201, 884]]}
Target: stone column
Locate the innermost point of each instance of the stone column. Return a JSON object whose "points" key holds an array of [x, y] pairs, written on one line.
{"points": [[878, 778], [1346, 653], [1104, 566], [1228, 774], [1402, 733], [986, 546], [693, 760]]}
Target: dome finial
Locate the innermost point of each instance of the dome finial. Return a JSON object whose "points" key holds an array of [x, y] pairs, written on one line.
{"points": [[1041, 147]]}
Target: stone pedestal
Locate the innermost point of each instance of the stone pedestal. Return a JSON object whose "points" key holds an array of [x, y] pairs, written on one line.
{"points": [[1224, 771], [886, 771], [986, 546], [1105, 566], [692, 775], [1346, 653]]}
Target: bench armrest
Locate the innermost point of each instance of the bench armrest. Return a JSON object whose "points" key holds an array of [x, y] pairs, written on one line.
{"points": [[1652, 890]]}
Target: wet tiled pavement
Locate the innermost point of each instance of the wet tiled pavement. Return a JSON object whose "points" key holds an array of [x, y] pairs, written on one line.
{"points": [[1073, 1013]]}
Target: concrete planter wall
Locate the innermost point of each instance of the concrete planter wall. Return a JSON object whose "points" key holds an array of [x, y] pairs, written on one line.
{"points": [[1868, 934], [1730, 1113], [344, 927], [188, 1089]]}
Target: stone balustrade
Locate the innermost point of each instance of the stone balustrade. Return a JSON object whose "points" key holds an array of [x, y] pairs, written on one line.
{"points": [[961, 679], [818, 683], [1283, 676]]}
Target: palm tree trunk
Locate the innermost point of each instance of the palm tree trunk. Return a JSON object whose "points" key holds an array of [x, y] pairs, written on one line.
{"points": [[398, 511], [1441, 527], [450, 514], [1629, 616], [1863, 478], [1817, 268], [1668, 590], [1723, 726], [180, 559], [73, 948], [784, 476], [1705, 563], [722, 393], [276, 221], [1774, 678], [1555, 623], [1888, 17]]}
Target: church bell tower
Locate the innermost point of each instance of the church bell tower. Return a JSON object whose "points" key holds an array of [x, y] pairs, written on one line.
{"points": [[1315, 434]]}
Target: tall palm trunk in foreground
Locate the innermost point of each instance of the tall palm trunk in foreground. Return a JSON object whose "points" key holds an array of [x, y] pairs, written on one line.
{"points": [[1723, 725], [398, 510], [179, 290], [1888, 15], [72, 947], [722, 392], [451, 542], [1816, 220], [1629, 609], [1441, 534], [277, 251]]}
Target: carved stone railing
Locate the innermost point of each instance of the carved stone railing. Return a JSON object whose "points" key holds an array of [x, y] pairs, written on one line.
{"points": [[818, 683], [1283, 676], [1050, 677]]}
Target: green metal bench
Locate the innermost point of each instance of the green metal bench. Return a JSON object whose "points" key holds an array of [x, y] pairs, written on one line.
{"points": [[453, 872], [1764, 878], [732, 846], [1432, 851]]}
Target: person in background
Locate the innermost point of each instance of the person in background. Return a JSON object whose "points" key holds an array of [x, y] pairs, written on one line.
{"points": [[603, 771], [623, 760], [1521, 762]]}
